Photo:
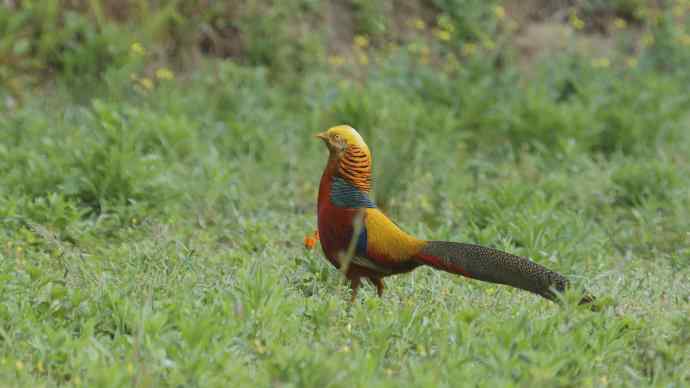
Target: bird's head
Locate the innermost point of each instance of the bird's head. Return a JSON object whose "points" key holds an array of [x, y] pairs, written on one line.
{"points": [[350, 154], [340, 138]]}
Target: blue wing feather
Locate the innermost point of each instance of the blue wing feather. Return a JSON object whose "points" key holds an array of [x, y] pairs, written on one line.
{"points": [[361, 248], [344, 194]]}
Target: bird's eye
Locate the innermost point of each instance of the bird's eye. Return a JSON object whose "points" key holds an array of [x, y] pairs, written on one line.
{"points": [[336, 137]]}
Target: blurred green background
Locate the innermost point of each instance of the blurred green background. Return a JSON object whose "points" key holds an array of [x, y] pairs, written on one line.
{"points": [[158, 174]]}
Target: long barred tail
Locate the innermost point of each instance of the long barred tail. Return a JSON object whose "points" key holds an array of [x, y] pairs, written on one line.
{"points": [[491, 265]]}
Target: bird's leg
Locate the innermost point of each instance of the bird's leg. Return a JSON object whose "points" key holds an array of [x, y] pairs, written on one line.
{"points": [[354, 285], [378, 282]]}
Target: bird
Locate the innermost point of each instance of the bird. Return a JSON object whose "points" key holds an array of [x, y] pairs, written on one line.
{"points": [[365, 244]]}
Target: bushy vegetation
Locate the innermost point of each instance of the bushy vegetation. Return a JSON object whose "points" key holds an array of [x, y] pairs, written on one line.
{"points": [[158, 174]]}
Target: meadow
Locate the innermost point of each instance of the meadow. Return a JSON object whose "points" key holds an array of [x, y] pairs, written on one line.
{"points": [[158, 175]]}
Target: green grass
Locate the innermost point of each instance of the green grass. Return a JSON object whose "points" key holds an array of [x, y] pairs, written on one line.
{"points": [[153, 236]]}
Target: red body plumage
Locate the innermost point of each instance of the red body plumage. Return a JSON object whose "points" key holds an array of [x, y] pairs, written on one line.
{"points": [[336, 225]]}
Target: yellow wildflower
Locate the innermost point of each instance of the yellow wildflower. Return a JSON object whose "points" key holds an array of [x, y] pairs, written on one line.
{"points": [[361, 41], [19, 365], [445, 23], [647, 39], [684, 39], [443, 35], [336, 60], [363, 59], [260, 348], [146, 83], [130, 368], [576, 22], [164, 73], [601, 62], [425, 54], [679, 10], [500, 12], [419, 24], [39, 367], [620, 23], [424, 51], [469, 48], [137, 49], [631, 62]]}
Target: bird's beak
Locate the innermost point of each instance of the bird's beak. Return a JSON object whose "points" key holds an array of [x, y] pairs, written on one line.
{"points": [[321, 135]]}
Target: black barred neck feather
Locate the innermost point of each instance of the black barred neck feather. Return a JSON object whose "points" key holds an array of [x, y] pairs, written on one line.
{"points": [[354, 166]]}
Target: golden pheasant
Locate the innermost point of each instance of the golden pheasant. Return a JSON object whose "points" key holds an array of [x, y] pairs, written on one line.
{"points": [[359, 239]]}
